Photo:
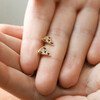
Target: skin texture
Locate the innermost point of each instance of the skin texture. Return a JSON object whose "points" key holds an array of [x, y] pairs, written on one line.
{"points": [[6, 96], [87, 87], [72, 26], [94, 52]]}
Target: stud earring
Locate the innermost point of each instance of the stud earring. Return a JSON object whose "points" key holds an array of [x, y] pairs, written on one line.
{"points": [[48, 40], [43, 51]]}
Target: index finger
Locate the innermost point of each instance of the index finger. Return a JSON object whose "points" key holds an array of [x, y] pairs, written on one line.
{"points": [[11, 30], [37, 20]]}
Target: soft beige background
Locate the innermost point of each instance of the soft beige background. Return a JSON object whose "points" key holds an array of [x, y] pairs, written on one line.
{"points": [[11, 12]]}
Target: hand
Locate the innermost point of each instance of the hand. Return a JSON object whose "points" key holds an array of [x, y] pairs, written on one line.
{"points": [[16, 82], [59, 20], [93, 96]]}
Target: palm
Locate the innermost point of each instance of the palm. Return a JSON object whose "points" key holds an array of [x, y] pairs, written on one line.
{"points": [[23, 86], [88, 85]]}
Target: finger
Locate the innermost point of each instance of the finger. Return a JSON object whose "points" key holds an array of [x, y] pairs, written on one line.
{"points": [[23, 89], [37, 20], [15, 31], [60, 33], [89, 82], [93, 56], [9, 81], [72, 98], [9, 57], [81, 39], [11, 42]]}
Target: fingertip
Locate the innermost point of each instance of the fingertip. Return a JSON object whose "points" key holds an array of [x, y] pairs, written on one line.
{"points": [[68, 79], [27, 69], [15, 31], [28, 66], [93, 56], [45, 85], [3, 28], [29, 58], [28, 63]]}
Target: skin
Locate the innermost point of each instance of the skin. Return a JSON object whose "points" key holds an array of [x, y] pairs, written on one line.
{"points": [[6, 96], [13, 80], [94, 52], [70, 23]]}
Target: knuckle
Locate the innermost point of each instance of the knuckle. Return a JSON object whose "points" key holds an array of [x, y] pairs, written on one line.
{"points": [[57, 59], [79, 4], [74, 57], [83, 30], [59, 33], [72, 3]]}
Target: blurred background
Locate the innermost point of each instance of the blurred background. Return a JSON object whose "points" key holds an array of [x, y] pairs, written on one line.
{"points": [[12, 11]]}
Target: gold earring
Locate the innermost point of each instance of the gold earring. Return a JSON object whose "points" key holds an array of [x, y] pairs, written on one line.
{"points": [[43, 51], [48, 40]]}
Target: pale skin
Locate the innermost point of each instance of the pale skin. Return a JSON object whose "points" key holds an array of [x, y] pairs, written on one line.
{"points": [[73, 25], [6, 96], [19, 84]]}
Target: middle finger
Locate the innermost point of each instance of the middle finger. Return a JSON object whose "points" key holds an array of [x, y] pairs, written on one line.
{"points": [[60, 32]]}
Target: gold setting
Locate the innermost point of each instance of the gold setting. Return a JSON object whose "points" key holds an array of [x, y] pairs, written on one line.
{"points": [[48, 40], [43, 51]]}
